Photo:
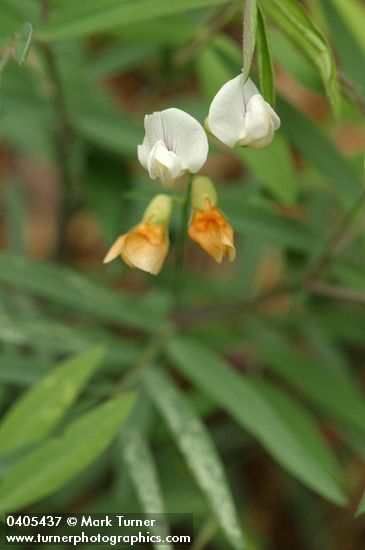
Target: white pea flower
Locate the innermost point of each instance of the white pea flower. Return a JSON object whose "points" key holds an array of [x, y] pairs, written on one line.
{"points": [[239, 115], [175, 143]]}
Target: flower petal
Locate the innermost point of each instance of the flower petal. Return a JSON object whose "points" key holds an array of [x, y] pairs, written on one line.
{"points": [[258, 122], [115, 250], [163, 164], [139, 252], [274, 116], [249, 89], [154, 133], [186, 137], [143, 151], [181, 134], [226, 118], [209, 240]]}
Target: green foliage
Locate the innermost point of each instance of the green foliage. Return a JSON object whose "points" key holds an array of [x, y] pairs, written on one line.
{"points": [[249, 35], [40, 409], [350, 52], [320, 151], [80, 293], [361, 508], [140, 462], [250, 401], [264, 61], [57, 461], [294, 21], [311, 462], [77, 20], [198, 450], [22, 44], [333, 395]]}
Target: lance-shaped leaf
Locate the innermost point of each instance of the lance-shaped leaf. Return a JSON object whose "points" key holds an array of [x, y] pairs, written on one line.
{"points": [[261, 416], [349, 51], [337, 398], [361, 507], [76, 291], [22, 43], [313, 143], [82, 18], [196, 445], [249, 35], [59, 460], [39, 409], [140, 463], [293, 20], [264, 61]]}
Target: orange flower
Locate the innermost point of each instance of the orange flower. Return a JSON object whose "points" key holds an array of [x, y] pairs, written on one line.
{"points": [[208, 227], [145, 246]]}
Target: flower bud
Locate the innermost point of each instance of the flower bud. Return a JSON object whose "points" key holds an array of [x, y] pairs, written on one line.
{"points": [[208, 226], [146, 245], [159, 210], [202, 190]]}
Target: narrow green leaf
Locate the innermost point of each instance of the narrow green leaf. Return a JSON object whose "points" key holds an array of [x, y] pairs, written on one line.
{"points": [[244, 401], [195, 444], [60, 338], [298, 420], [342, 401], [249, 35], [361, 508], [293, 20], [76, 291], [22, 43], [264, 61], [293, 61], [13, 15], [39, 409], [56, 462], [353, 13], [92, 16], [318, 149], [349, 51], [141, 464]]}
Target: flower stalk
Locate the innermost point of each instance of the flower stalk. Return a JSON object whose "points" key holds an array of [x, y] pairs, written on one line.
{"points": [[181, 242]]}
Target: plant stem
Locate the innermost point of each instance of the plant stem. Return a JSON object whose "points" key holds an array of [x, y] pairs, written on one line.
{"points": [[147, 358], [324, 260], [181, 243], [188, 317], [63, 137], [5, 57], [337, 292]]}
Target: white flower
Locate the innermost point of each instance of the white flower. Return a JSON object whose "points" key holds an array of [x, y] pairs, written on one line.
{"points": [[174, 143], [239, 115]]}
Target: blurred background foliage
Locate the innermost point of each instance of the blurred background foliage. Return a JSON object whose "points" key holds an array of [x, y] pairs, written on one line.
{"points": [[247, 401]]}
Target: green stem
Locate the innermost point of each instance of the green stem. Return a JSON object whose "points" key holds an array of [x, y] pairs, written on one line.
{"points": [[181, 243], [5, 57], [63, 136], [324, 260], [147, 358]]}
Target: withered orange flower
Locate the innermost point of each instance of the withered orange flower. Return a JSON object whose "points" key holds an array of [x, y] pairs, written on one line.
{"points": [[210, 229], [146, 245]]}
